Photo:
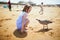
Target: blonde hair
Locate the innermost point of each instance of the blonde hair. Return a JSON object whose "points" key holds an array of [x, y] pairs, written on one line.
{"points": [[26, 7]]}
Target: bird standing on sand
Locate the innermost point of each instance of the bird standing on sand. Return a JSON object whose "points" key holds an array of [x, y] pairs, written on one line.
{"points": [[44, 22]]}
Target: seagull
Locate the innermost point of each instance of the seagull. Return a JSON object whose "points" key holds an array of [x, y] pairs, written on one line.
{"points": [[44, 22]]}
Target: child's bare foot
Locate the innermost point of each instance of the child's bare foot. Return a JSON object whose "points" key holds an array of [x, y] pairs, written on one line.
{"points": [[26, 29], [23, 32]]}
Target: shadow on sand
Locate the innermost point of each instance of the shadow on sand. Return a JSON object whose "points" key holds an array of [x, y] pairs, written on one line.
{"points": [[19, 35], [44, 30]]}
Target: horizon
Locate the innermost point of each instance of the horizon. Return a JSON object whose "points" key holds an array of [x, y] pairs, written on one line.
{"points": [[34, 1]]}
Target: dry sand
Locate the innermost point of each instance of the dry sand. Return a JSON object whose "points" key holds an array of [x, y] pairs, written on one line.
{"points": [[8, 24]]}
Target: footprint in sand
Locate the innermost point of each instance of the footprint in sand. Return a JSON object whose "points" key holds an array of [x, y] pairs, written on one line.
{"points": [[0, 25], [31, 28], [8, 19], [6, 28], [5, 19], [51, 34], [1, 20], [8, 35]]}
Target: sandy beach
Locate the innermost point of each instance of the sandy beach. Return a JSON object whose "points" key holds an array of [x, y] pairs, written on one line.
{"points": [[8, 29]]}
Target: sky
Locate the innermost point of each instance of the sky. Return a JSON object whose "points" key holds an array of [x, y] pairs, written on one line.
{"points": [[35, 1]]}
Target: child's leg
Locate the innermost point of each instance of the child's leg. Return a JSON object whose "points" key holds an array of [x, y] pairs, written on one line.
{"points": [[27, 21], [25, 25], [22, 29]]}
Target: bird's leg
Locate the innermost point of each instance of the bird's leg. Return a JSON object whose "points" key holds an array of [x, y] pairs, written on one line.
{"points": [[43, 27], [47, 26]]}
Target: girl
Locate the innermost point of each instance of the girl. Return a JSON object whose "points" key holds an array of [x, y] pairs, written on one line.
{"points": [[22, 20]]}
